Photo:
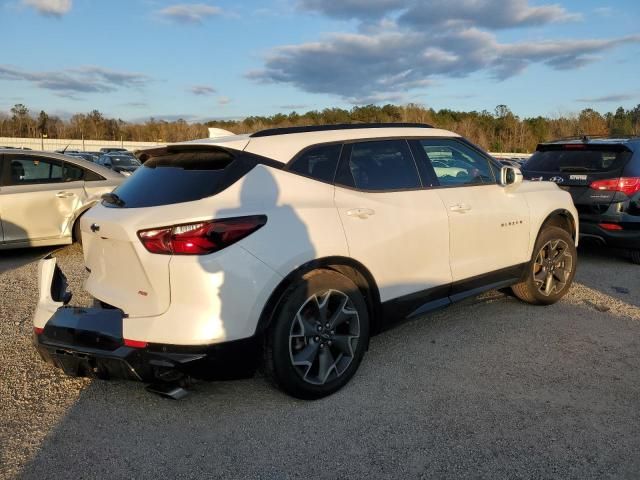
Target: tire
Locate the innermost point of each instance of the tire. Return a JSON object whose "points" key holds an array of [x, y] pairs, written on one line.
{"points": [[635, 256], [302, 356], [76, 234], [548, 280]]}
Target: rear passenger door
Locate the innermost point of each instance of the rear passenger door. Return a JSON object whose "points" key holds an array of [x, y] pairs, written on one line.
{"points": [[394, 226], [38, 198], [488, 223]]}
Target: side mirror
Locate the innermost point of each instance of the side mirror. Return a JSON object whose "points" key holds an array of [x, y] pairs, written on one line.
{"points": [[510, 176]]}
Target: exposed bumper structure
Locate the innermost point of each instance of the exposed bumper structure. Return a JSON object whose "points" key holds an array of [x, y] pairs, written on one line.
{"points": [[89, 342]]}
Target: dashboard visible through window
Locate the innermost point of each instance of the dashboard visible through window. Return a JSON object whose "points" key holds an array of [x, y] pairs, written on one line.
{"points": [[456, 164]]}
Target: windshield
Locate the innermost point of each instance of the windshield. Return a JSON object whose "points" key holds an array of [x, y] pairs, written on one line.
{"points": [[123, 161], [578, 160]]}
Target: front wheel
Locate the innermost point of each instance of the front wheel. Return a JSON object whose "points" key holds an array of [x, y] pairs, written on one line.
{"points": [[318, 337], [551, 270]]}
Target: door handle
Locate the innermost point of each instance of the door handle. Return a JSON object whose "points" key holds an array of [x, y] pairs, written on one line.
{"points": [[460, 208], [363, 213], [65, 194]]}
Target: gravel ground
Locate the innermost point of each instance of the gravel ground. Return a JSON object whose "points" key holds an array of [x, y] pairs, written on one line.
{"points": [[490, 388]]}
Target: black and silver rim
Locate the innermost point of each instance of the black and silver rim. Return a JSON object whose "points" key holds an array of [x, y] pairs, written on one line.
{"points": [[324, 336], [552, 268]]}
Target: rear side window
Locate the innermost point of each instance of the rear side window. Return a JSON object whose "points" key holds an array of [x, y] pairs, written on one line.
{"points": [[578, 159], [318, 162], [183, 177], [379, 166], [73, 173]]}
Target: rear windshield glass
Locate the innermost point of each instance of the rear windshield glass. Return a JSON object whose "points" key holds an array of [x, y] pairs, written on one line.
{"points": [[579, 160], [180, 177]]}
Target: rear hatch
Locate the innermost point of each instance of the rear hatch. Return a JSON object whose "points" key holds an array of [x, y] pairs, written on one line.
{"points": [[575, 166], [163, 192]]}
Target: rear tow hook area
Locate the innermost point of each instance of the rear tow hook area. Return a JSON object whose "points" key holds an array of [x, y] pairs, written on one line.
{"points": [[173, 391], [175, 388]]}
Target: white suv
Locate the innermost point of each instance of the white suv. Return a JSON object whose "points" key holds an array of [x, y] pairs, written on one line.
{"points": [[288, 248]]}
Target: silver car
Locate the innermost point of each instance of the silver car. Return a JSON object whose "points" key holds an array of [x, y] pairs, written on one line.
{"points": [[43, 195]]}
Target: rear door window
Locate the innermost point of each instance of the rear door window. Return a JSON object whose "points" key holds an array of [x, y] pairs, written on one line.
{"points": [[318, 162], [379, 166], [29, 170]]}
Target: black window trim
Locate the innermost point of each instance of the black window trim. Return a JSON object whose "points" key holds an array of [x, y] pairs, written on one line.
{"points": [[429, 183]]}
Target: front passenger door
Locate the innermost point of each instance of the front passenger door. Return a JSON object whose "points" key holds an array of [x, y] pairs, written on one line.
{"points": [[488, 223]]}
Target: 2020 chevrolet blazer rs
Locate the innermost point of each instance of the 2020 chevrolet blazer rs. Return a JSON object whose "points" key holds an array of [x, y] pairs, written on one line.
{"points": [[288, 248]]}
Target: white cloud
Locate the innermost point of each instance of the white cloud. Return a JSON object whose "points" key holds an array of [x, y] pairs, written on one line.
{"points": [[193, 13], [223, 101], [403, 46], [55, 8], [69, 82]]}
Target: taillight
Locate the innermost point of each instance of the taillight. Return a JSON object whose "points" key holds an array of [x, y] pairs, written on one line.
{"points": [[627, 185], [200, 238], [610, 226], [135, 343], [38, 330]]}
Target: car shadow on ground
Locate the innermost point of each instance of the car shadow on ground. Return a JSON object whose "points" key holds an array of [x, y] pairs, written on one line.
{"points": [[12, 259], [492, 389]]}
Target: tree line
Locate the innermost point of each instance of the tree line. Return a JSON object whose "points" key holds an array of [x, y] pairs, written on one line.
{"points": [[500, 130]]}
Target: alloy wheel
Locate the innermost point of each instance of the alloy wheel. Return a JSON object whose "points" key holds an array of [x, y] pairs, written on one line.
{"points": [[324, 336], [552, 267]]}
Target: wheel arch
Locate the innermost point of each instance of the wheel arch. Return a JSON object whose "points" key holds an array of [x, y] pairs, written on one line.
{"points": [[562, 218], [76, 218], [350, 268]]}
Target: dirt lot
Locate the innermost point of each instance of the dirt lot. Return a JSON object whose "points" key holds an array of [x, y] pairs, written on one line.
{"points": [[491, 388]]}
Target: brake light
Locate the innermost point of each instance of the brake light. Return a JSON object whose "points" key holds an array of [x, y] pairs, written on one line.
{"points": [[610, 226], [626, 185], [200, 238], [38, 330], [135, 343], [574, 146]]}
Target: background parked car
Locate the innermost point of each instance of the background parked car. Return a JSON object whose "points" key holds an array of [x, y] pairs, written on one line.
{"points": [[603, 177], [90, 157], [123, 163], [43, 195]]}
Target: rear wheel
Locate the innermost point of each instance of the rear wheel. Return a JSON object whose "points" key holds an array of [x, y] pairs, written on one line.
{"points": [[635, 256], [318, 337], [77, 235], [551, 270]]}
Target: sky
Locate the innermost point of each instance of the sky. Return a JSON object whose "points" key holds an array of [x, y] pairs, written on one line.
{"points": [[135, 59]]}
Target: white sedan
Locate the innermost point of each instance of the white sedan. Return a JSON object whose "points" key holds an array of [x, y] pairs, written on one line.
{"points": [[43, 195]]}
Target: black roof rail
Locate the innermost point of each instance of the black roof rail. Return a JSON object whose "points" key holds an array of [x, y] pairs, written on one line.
{"points": [[341, 126]]}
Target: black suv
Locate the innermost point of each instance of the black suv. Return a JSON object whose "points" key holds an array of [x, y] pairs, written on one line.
{"points": [[603, 177]]}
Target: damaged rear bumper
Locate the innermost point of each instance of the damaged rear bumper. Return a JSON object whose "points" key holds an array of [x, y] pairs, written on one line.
{"points": [[88, 342]]}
